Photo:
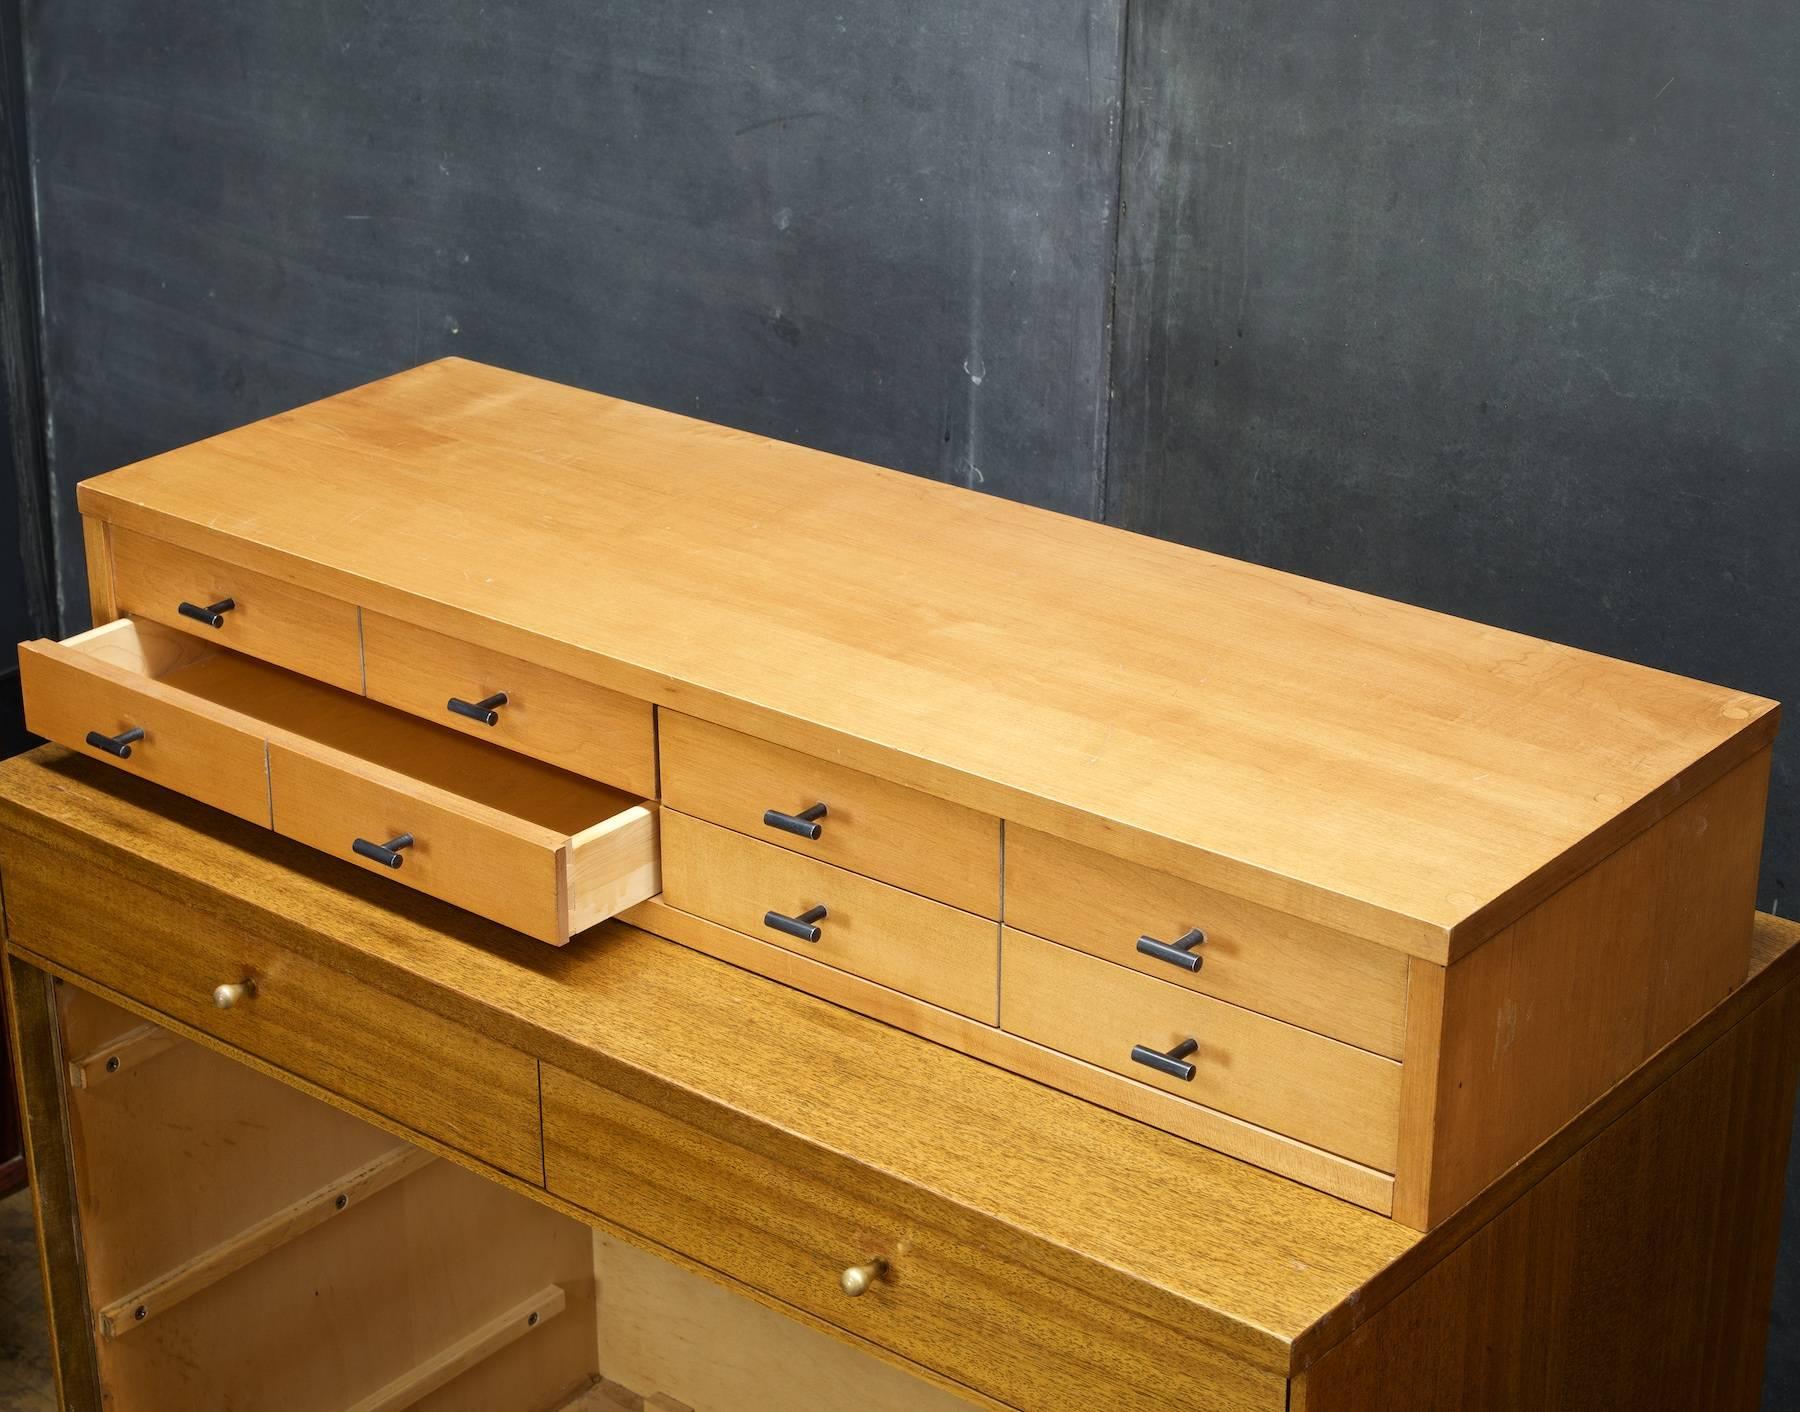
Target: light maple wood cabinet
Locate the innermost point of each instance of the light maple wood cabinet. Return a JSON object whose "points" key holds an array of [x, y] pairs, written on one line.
{"points": [[1360, 893]]}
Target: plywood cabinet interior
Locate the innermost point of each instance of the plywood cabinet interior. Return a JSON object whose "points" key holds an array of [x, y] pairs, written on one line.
{"points": [[250, 1247]]}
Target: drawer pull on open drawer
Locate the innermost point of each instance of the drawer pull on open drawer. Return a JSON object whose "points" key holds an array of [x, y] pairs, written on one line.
{"points": [[119, 744], [1169, 1063], [482, 710], [387, 854], [801, 926], [213, 614], [805, 823], [1179, 952]]}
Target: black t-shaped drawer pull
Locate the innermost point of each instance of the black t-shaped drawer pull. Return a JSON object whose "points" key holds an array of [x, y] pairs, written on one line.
{"points": [[801, 926], [805, 823], [119, 744], [1179, 952], [1169, 1063], [387, 854], [213, 614], [482, 710]]}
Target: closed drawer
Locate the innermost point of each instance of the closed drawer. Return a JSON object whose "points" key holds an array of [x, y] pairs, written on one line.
{"points": [[293, 627], [581, 727], [520, 842], [1252, 956], [107, 682], [870, 826], [975, 1300], [424, 1072], [1292, 1081], [883, 934]]}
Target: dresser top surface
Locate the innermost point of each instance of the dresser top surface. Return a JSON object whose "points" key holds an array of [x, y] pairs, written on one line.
{"points": [[1382, 768]]}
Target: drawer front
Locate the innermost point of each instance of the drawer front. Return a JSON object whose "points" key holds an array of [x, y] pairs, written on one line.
{"points": [[1253, 956], [975, 1301], [414, 1067], [882, 830], [69, 692], [462, 852], [317, 636], [894, 938], [583, 728], [1331, 1095]]}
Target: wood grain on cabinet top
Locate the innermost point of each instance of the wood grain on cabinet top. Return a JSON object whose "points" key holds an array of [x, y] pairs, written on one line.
{"points": [[1383, 769], [1270, 1271]]}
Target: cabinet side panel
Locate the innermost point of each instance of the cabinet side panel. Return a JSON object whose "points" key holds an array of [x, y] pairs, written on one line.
{"points": [[103, 596], [1637, 1274], [1574, 995], [1419, 1092], [38, 1061]]}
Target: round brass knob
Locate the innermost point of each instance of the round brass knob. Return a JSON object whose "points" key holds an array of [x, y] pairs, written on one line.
{"points": [[233, 993], [859, 1279]]}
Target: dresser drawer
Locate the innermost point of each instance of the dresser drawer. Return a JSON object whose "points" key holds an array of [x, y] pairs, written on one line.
{"points": [[422, 1071], [959, 1293], [1252, 956], [292, 627], [575, 724], [894, 938], [523, 843], [107, 683], [1292, 1081], [548, 865], [882, 830]]}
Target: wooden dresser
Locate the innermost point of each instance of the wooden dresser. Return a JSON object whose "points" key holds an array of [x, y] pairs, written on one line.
{"points": [[432, 1163]]}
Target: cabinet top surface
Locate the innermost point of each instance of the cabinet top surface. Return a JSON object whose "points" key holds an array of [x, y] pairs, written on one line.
{"points": [[1383, 768]]}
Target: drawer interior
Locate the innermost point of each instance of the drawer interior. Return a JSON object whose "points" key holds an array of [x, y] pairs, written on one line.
{"points": [[529, 844], [379, 735], [279, 700]]}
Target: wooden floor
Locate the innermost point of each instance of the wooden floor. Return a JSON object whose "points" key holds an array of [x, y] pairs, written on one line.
{"points": [[25, 1379]]}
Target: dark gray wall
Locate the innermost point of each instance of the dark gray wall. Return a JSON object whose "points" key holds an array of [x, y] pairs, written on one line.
{"points": [[881, 229], [27, 594], [1491, 308], [1488, 308]]}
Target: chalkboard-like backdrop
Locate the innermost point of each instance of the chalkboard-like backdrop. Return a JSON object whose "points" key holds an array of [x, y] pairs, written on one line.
{"points": [[1489, 308]]}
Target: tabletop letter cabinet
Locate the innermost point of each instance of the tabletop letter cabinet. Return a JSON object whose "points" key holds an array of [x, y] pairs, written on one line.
{"points": [[1357, 892]]}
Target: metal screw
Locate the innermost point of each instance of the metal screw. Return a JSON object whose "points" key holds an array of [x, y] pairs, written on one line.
{"points": [[112, 1064], [140, 1313], [532, 1321], [342, 1201]]}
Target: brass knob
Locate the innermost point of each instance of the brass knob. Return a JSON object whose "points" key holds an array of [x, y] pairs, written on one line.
{"points": [[229, 995], [859, 1279]]}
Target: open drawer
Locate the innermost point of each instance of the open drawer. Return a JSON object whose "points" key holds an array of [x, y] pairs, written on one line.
{"points": [[524, 843]]}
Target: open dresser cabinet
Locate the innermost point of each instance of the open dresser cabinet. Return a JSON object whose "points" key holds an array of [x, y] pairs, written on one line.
{"points": [[246, 1245]]}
